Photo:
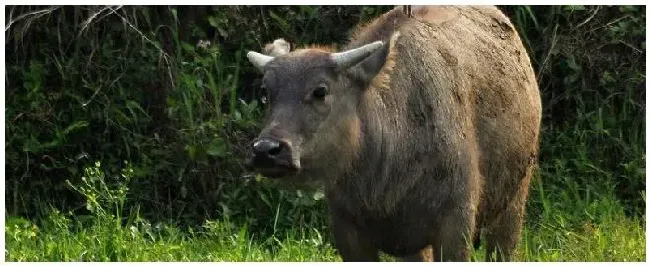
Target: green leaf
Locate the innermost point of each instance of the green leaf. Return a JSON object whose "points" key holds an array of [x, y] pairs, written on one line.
{"points": [[281, 22], [237, 116], [213, 21], [217, 148], [191, 151], [576, 8], [174, 13], [187, 47], [318, 195], [75, 126]]}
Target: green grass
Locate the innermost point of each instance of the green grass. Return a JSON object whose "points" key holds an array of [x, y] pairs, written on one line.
{"points": [[588, 225], [103, 240], [617, 239]]}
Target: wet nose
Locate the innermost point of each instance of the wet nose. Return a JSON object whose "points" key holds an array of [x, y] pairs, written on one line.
{"points": [[272, 156], [267, 147]]}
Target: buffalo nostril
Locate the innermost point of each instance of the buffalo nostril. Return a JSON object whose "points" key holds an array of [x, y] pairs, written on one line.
{"points": [[272, 154], [275, 151], [266, 146]]}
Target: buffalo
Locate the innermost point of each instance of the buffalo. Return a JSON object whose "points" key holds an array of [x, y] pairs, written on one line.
{"points": [[423, 131]]}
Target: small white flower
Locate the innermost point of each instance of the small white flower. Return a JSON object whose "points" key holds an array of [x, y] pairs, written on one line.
{"points": [[203, 44]]}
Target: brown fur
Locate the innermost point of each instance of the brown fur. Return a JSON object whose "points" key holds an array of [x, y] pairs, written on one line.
{"points": [[424, 143], [382, 80], [324, 48]]}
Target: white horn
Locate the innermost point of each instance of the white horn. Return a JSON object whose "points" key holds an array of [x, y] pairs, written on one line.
{"points": [[352, 57], [259, 60]]}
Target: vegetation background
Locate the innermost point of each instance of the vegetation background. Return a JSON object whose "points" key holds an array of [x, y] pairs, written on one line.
{"points": [[126, 129]]}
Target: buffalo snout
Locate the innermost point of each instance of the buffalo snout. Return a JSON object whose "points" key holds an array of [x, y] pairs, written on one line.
{"points": [[273, 156]]}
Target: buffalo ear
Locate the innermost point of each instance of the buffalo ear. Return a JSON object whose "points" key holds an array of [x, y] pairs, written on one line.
{"points": [[366, 69]]}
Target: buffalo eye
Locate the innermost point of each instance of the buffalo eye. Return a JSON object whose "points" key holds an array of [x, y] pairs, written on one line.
{"points": [[264, 92], [320, 92]]}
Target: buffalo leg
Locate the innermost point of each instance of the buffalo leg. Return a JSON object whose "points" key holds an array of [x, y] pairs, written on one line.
{"points": [[424, 255], [351, 243], [503, 233], [454, 240]]}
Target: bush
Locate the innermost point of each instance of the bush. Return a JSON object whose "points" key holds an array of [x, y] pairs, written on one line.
{"points": [[590, 64]]}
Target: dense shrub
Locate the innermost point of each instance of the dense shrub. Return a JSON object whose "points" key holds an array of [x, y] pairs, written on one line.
{"points": [[590, 64]]}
